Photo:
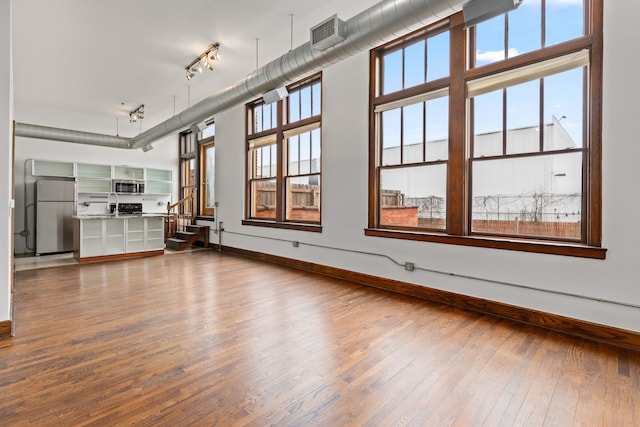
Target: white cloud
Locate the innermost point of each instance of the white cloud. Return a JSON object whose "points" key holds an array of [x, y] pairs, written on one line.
{"points": [[495, 55]]}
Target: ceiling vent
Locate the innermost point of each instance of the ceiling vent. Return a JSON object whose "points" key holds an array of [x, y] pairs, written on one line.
{"points": [[328, 33]]}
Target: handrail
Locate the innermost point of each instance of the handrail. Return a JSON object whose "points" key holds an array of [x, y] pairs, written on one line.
{"points": [[185, 215], [181, 201]]}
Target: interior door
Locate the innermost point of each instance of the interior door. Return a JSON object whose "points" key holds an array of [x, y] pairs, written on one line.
{"points": [[207, 177]]}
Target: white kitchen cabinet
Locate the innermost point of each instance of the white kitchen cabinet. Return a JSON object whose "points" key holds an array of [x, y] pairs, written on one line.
{"points": [[52, 169], [158, 175], [91, 238], [158, 181], [93, 185], [155, 233], [86, 170], [135, 234], [92, 178], [112, 236], [128, 172]]}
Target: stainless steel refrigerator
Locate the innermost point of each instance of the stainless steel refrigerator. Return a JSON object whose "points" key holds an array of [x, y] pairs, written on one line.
{"points": [[54, 215]]}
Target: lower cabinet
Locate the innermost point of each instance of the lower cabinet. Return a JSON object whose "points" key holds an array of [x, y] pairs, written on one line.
{"points": [[97, 237]]}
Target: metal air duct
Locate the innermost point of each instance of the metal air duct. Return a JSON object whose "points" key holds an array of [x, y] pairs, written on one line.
{"points": [[67, 135]]}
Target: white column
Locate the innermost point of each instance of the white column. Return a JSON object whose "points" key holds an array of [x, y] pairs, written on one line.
{"points": [[6, 155]]}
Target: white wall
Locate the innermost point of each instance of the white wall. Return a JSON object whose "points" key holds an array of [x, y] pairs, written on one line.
{"points": [[6, 118], [563, 285], [163, 156]]}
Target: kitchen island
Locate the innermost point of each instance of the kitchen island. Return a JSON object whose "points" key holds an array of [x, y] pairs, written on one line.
{"points": [[103, 237]]}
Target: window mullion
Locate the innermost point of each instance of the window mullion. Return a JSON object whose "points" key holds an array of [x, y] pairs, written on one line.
{"points": [[281, 158], [456, 170]]}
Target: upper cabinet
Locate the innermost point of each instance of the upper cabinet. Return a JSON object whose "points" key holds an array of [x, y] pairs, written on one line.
{"points": [[94, 178], [84, 170], [53, 169], [159, 181], [128, 172]]}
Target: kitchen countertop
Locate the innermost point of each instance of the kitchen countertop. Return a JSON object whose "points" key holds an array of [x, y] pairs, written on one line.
{"points": [[108, 216]]}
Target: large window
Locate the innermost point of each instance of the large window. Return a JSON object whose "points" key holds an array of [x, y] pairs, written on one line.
{"points": [[197, 170], [284, 159], [207, 144], [490, 136]]}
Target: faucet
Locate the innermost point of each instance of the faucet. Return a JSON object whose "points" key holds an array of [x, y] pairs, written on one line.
{"points": [[109, 200]]}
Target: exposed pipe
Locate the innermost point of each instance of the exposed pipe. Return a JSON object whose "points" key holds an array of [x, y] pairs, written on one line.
{"points": [[374, 26], [67, 135]]}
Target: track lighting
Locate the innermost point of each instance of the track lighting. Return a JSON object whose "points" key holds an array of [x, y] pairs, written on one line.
{"points": [[136, 114], [205, 59]]}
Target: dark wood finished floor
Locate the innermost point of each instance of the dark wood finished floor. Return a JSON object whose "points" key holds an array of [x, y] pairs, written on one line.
{"points": [[206, 339]]}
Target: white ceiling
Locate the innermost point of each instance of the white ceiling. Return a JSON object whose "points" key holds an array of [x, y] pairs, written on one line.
{"points": [[84, 64]]}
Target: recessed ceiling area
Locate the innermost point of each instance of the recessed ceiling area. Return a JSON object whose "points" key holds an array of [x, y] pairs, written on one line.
{"points": [[86, 65]]}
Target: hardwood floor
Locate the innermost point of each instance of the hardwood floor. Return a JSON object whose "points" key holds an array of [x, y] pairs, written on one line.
{"points": [[205, 339]]}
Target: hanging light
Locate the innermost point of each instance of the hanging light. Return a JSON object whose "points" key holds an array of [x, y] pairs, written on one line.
{"points": [[136, 114], [205, 59]]}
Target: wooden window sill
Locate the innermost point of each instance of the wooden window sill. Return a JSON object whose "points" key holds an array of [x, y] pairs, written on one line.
{"points": [[315, 228], [536, 246]]}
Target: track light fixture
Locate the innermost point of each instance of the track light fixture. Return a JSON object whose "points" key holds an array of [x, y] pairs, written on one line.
{"points": [[136, 114], [205, 59]]}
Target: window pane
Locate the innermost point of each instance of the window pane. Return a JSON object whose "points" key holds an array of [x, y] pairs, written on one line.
{"points": [[257, 118], [414, 196], [317, 99], [305, 101], [437, 120], [294, 164], [487, 124], [210, 155], [315, 151], [209, 131], [264, 161], [563, 110], [564, 20], [266, 116], [529, 196], [490, 41], [413, 133], [414, 62], [392, 72], [294, 106], [523, 118], [525, 28], [391, 137], [263, 199], [303, 198], [438, 56], [305, 152]]}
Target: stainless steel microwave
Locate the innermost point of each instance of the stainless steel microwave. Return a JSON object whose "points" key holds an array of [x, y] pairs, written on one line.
{"points": [[128, 187]]}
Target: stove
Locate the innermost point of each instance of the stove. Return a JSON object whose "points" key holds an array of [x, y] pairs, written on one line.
{"points": [[127, 208]]}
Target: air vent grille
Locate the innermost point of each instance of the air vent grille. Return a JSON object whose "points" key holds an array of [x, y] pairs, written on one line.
{"points": [[324, 31], [327, 33]]}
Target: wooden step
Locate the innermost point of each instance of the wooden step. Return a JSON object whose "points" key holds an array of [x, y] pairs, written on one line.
{"points": [[184, 239], [186, 235], [177, 244]]}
